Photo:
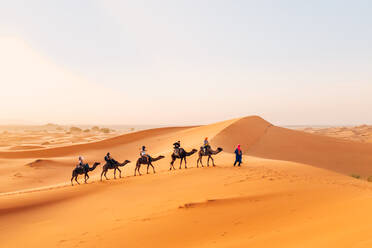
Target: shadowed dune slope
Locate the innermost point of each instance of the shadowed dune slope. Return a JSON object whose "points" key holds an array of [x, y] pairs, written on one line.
{"points": [[325, 152], [260, 138]]}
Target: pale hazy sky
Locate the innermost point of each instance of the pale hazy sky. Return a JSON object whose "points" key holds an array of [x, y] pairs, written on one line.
{"points": [[185, 62]]}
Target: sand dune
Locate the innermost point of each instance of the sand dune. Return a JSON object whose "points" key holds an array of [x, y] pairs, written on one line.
{"points": [[330, 153], [361, 133], [81, 148], [260, 138], [276, 199]]}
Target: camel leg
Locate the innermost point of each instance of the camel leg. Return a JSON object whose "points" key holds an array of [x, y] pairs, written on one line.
{"points": [[153, 169], [181, 164], [137, 169], [115, 173], [119, 172], [212, 161], [103, 171], [201, 161], [72, 178], [86, 177], [185, 163], [208, 160], [148, 165], [76, 179], [171, 164], [105, 174]]}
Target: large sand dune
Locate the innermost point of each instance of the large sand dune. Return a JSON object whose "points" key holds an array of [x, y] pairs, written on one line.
{"points": [[277, 199], [260, 138]]}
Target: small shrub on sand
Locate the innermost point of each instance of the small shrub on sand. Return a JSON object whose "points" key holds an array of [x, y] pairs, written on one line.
{"points": [[87, 130], [355, 176], [75, 129], [105, 130], [369, 179], [95, 128]]}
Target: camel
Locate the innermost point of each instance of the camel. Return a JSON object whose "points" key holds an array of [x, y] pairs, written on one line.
{"points": [[209, 153], [115, 167], [144, 160], [182, 154], [80, 171]]}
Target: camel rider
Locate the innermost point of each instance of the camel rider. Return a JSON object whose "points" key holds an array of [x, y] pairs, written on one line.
{"points": [[81, 163], [176, 147], [144, 154], [206, 145], [110, 160]]}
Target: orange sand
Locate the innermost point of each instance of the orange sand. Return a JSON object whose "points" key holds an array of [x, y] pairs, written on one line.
{"points": [[293, 190]]}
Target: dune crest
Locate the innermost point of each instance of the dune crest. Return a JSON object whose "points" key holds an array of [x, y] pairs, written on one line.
{"points": [[246, 131]]}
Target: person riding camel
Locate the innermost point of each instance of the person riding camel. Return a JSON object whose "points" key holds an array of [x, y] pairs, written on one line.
{"points": [[144, 154], [206, 145], [110, 160], [81, 163], [176, 147]]}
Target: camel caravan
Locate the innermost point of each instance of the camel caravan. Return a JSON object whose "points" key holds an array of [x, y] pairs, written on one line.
{"points": [[145, 159]]}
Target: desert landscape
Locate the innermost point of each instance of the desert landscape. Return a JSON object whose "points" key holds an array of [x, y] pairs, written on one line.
{"points": [[293, 188], [362, 133], [185, 124]]}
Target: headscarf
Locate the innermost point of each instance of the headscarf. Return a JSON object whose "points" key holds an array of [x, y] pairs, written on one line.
{"points": [[239, 147]]}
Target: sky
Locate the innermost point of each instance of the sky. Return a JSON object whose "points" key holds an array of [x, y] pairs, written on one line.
{"points": [[185, 62]]}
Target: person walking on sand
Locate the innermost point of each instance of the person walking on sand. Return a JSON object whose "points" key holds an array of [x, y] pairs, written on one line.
{"points": [[238, 155]]}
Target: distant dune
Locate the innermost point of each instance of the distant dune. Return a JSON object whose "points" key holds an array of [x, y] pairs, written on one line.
{"points": [[361, 133]]}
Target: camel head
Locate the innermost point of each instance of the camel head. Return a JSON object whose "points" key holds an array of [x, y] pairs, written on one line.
{"points": [[219, 149], [194, 150], [124, 163], [96, 163]]}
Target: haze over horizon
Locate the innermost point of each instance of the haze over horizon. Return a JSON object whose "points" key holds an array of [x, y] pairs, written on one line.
{"points": [[186, 62]]}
